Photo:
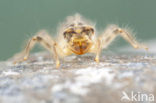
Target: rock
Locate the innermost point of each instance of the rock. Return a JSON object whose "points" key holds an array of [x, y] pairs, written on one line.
{"points": [[117, 78]]}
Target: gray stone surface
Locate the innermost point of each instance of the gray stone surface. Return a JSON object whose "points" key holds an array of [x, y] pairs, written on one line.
{"points": [[79, 79]]}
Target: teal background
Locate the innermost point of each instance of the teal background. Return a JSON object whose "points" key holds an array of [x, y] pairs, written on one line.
{"points": [[20, 19]]}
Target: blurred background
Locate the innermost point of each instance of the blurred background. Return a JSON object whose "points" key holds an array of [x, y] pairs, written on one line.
{"points": [[20, 19]]}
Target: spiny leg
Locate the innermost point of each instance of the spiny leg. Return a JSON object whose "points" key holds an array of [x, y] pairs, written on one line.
{"points": [[45, 40], [98, 51], [112, 31], [109, 35], [56, 55]]}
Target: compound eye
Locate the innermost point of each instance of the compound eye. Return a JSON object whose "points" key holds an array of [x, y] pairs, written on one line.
{"points": [[89, 32], [67, 35], [92, 30]]}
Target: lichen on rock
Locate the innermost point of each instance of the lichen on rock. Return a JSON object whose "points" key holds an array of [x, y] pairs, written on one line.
{"points": [[79, 79]]}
